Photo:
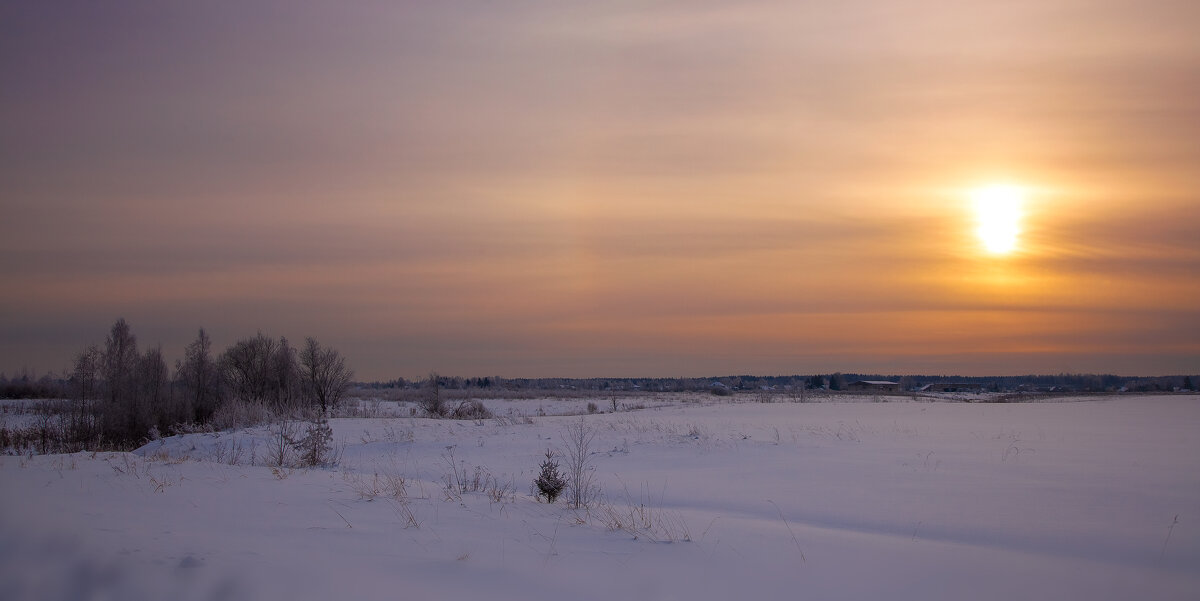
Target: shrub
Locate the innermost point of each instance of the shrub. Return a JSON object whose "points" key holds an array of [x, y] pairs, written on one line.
{"points": [[316, 446], [58, 427], [643, 520], [235, 413], [282, 441], [592, 408], [431, 398], [312, 447], [472, 409], [381, 485], [549, 482]]}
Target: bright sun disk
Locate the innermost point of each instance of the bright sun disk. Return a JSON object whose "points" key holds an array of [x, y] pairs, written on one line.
{"points": [[998, 211]]}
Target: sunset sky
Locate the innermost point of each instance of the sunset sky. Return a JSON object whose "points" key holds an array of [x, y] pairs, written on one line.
{"points": [[548, 188]]}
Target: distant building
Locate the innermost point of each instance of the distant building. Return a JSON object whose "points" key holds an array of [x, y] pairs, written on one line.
{"points": [[873, 386]]}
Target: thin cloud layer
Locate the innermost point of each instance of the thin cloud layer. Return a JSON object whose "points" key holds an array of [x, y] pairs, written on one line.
{"points": [[615, 189]]}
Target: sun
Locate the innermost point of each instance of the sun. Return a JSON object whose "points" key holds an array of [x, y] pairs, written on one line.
{"points": [[998, 211]]}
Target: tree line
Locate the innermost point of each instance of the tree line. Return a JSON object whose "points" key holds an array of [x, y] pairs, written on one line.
{"points": [[123, 396]]}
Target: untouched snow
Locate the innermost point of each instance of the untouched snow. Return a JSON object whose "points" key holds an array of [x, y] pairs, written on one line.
{"points": [[1098, 499]]}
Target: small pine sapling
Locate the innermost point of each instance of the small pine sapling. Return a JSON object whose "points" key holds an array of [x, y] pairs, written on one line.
{"points": [[549, 482], [316, 448]]}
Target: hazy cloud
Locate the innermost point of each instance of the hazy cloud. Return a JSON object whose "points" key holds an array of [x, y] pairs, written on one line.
{"points": [[539, 188]]}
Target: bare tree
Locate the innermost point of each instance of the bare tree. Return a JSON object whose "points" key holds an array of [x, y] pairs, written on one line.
{"points": [[284, 376], [85, 378], [118, 361], [581, 487], [259, 369], [281, 444], [431, 398], [118, 364], [197, 376], [83, 426], [326, 377], [154, 390], [244, 367]]}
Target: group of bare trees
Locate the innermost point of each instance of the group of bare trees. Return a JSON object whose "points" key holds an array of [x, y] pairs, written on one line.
{"points": [[130, 393]]}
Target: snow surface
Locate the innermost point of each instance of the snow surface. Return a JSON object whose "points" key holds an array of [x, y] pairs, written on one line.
{"points": [[1097, 499]]}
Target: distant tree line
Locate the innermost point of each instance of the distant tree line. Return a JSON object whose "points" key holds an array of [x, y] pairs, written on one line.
{"points": [[27, 386], [120, 396], [829, 381]]}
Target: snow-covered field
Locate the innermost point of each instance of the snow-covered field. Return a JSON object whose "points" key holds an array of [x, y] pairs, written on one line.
{"points": [[1094, 499]]}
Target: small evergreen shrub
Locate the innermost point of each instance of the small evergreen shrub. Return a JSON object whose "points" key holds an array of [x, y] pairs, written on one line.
{"points": [[316, 447], [549, 482]]}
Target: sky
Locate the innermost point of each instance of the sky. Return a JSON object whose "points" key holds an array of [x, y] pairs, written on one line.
{"points": [[546, 188]]}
